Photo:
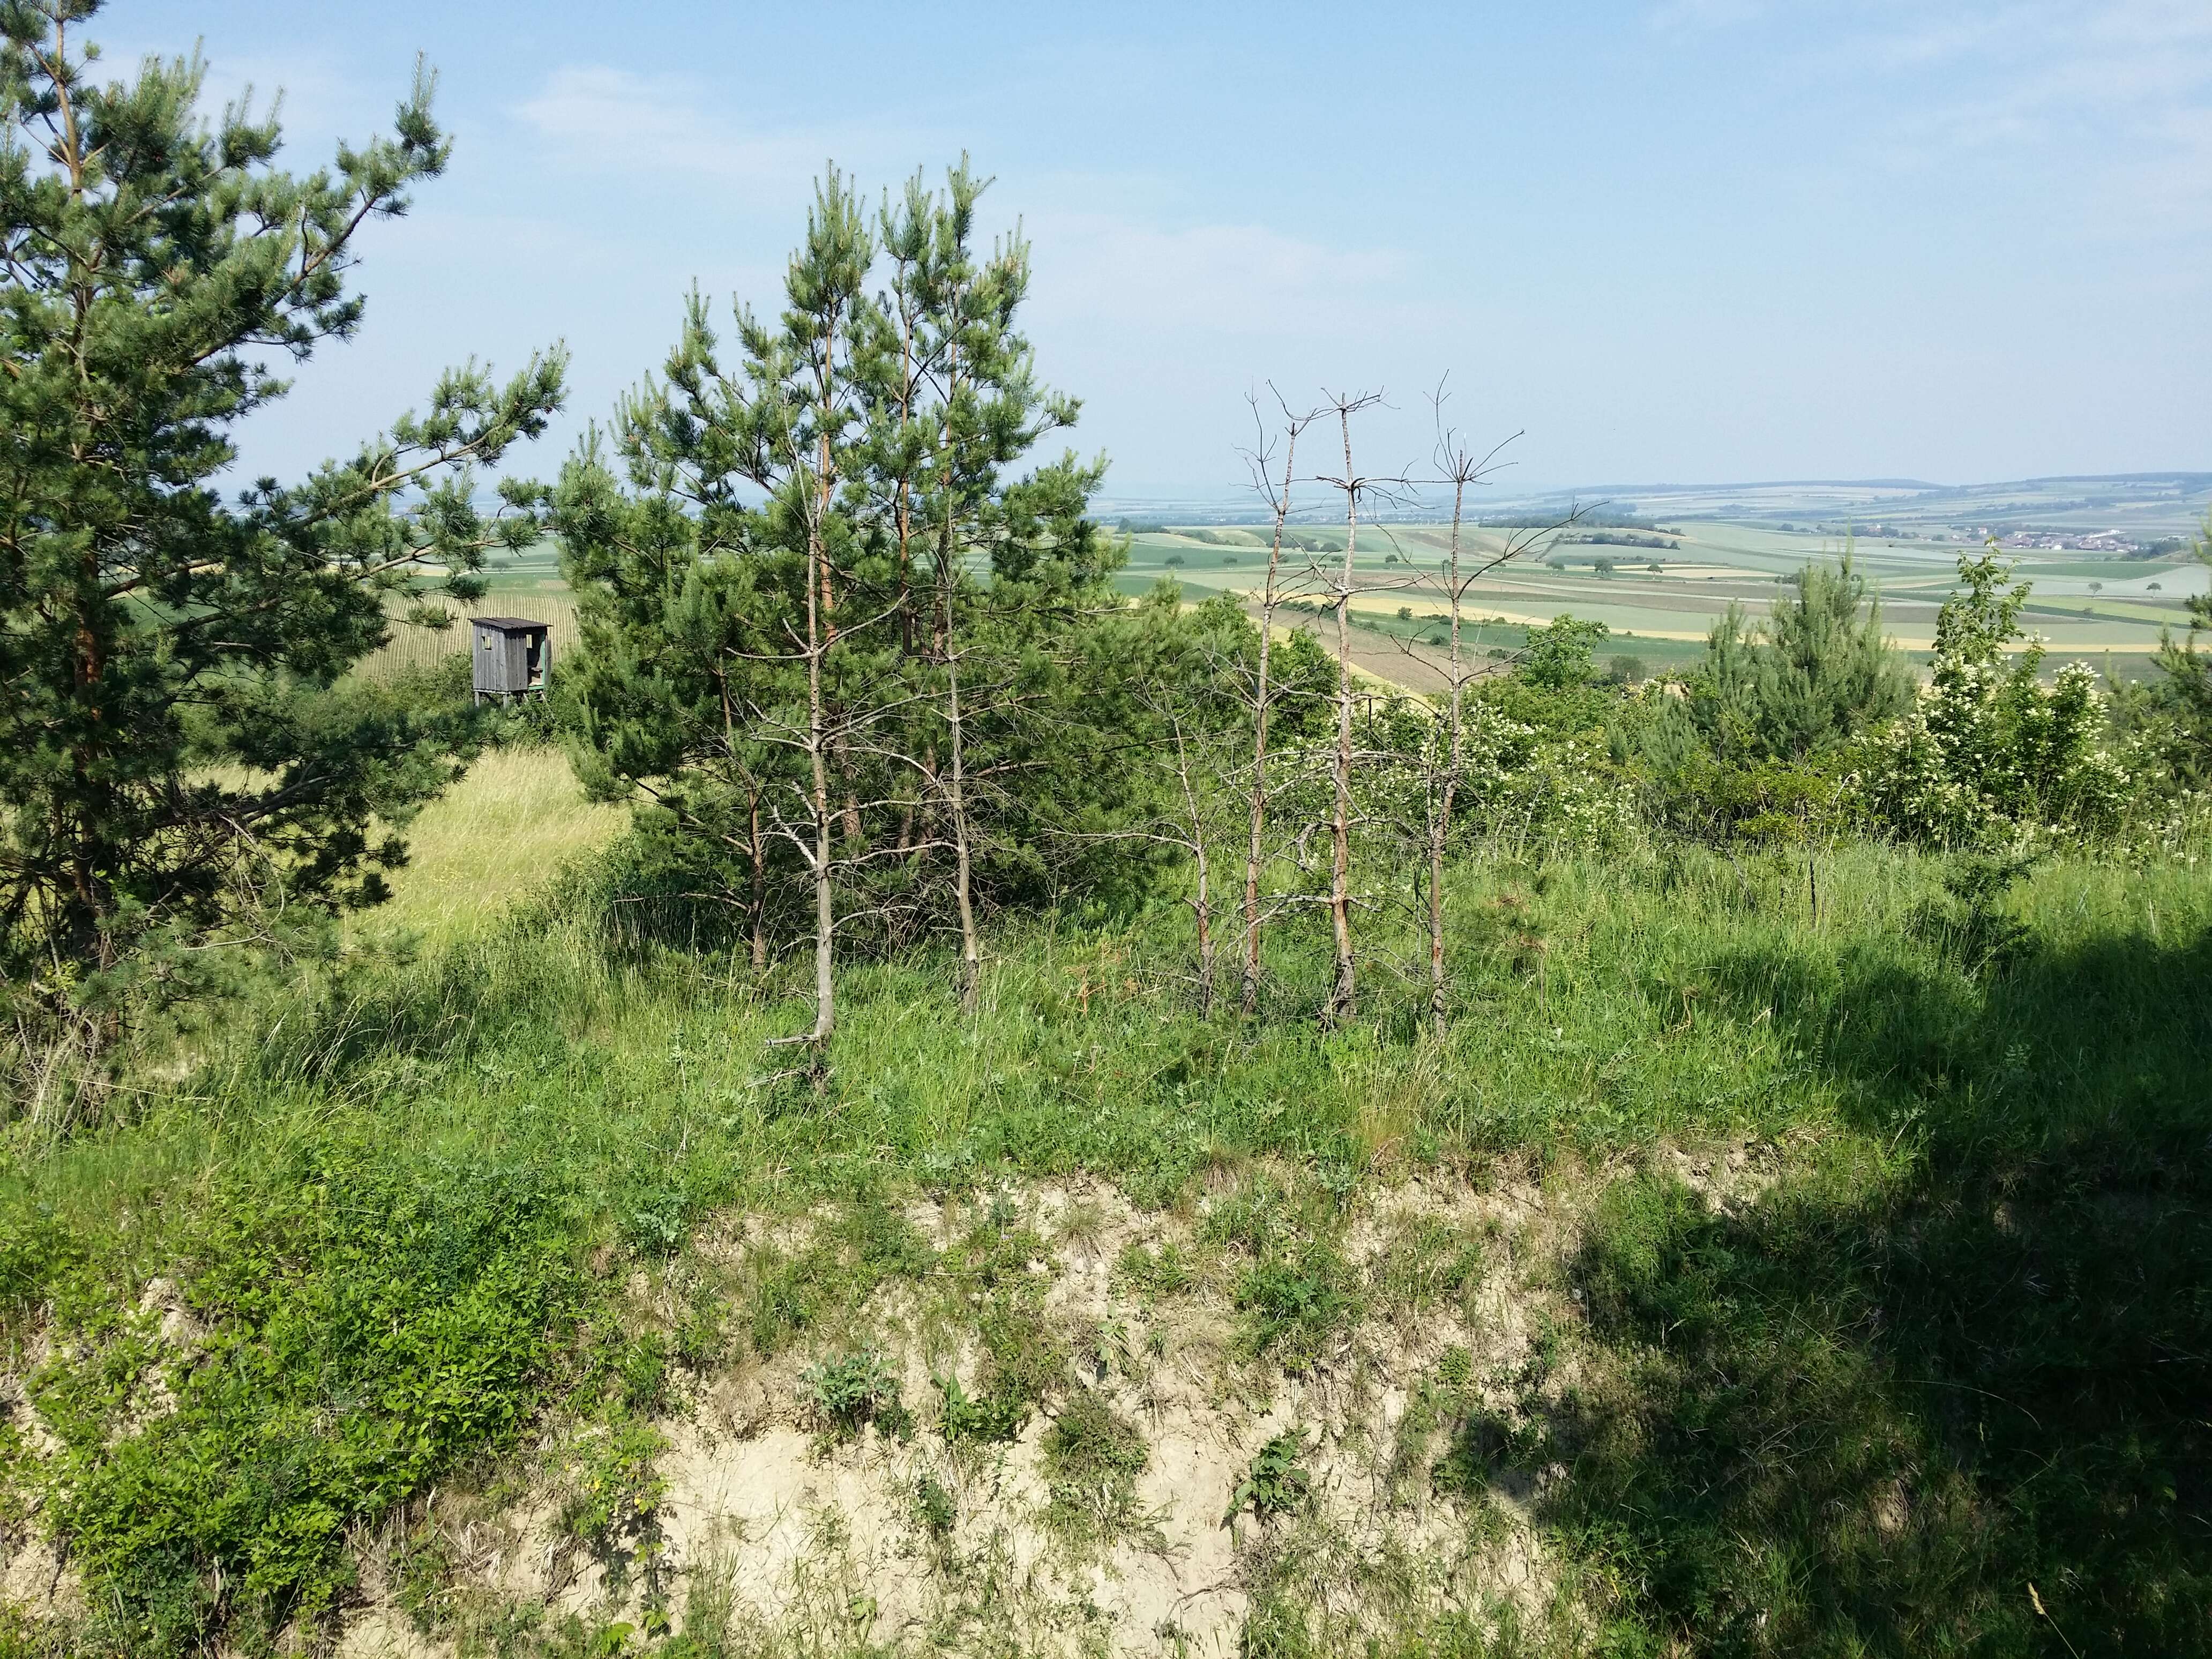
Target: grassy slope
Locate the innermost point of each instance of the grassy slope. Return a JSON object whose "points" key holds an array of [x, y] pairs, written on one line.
{"points": [[498, 836], [1959, 1346]]}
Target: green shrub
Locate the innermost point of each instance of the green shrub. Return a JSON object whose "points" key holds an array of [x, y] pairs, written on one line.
{"points": [[1276, 1482], [1482, 1444], [372, 1318], [1092, 1457], [38, 1248], [1295, 1303]]}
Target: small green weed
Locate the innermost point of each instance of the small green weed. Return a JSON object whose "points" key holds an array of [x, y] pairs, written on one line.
{"points": [[1455, 1367], [616, 1488], [994, 1418], [866, 1247], [1295, 1304], [1092, 1457], [421, 1577], [852, 1390], [643, 1369], [1428, 1264], [1482, 1444], [1150, 1273], [994, 1277], [659, 1225], [36, 1250], [934, 1510], [1276, 1483], [1256, 1217]]}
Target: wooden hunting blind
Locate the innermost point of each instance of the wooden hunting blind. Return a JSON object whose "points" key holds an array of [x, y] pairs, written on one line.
{"points": [[512, 657]]}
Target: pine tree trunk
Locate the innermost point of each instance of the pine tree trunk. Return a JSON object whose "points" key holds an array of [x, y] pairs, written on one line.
{"points": [[1202, 901], [760, 885], [817, 743], [972, 953]]}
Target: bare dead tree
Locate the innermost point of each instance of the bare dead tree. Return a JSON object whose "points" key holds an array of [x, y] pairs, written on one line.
{"points": [[1186, 748], [1462, 468], [1263, 694], [1343, 990]]}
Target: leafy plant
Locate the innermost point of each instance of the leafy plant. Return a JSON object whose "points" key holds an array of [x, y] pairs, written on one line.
{"points": [[1429, 1263], [1092, 1457], [615, 1487], [997, 1416], [868, 1244], [1295, 1303], [1455, 1367], [1276, 1482], [934, 1508], [848, 1391]]}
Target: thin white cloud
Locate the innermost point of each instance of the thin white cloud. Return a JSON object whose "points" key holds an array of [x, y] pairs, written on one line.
{"points": [[611, 120], [1223, 279], [2108, 99]]}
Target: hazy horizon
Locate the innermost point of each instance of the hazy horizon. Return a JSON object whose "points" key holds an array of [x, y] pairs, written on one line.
{"points": [[1700, 239]]}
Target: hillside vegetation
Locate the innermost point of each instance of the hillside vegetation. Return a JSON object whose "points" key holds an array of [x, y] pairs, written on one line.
{"points": [[1737, 1273], [921, 1102]]}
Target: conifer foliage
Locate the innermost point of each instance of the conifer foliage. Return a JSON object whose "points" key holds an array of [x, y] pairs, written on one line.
{"points": [[175, 760], [1817, 673], [843, 660]]}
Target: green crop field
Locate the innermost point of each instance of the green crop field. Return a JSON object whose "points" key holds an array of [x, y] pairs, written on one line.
{"points": [[2087, 607], [2092, 609]]}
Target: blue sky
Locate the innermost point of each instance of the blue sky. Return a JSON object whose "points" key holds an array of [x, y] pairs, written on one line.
{"points": [[1675, 241]]}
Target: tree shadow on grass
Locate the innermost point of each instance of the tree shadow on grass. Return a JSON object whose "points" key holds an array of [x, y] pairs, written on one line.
{"points": [[1967, 1352]]}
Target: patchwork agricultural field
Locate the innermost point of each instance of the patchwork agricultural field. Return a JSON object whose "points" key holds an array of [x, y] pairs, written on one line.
{"points": [[1659, 602], [2087, 608]]}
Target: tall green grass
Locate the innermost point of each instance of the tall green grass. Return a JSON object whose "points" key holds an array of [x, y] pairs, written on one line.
{"points": [[1980, 1298]]}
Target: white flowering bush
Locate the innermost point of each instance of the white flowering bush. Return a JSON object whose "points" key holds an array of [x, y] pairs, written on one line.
{"points": [[1987, 750], [1517, 784]]}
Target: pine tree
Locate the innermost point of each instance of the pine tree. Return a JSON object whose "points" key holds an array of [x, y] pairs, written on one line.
{"points": [[173, 753], [1824, 673], [2188, 686], [731, 623], [955, 402], [1816, 674], [825, 641]]}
